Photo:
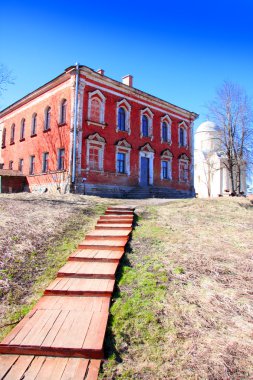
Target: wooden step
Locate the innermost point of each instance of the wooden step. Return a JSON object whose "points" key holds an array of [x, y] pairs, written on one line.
{"points": [[111, 244], [89, 269], [113, 234], [114, 216], [131, 209], [80, 287], [18, 367], [61, 326], [118, 212], [117, 222], [108, 226], [97, 254]]}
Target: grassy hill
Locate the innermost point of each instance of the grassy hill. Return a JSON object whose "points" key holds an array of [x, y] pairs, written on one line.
{"points": [[183, 304]]}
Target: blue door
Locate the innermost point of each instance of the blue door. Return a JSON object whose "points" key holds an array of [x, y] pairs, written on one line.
{"points": [[144, 171]]}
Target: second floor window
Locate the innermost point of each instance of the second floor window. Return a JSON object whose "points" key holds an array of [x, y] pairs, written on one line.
{"points": [[4, 138], [121, 162], [12, 134], [144, 126], [45, 162], [121, 119], [21, 165], [47, 125], [22, 130], [32, 165], [182, 137], [34, 125], [164, 132], [61, 159], [63, 111]]}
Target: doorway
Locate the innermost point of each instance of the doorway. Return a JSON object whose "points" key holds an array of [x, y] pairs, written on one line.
{"points": [[144, 178]]}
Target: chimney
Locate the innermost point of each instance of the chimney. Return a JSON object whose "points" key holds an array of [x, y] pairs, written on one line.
{"points": [[101, 71], [128, 80]]}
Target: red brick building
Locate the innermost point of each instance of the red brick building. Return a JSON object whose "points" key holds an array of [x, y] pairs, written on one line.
{"points": [[89, 133]]}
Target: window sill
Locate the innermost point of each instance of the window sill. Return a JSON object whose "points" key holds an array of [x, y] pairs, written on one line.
{"points": [[34, 135], [167, 179], [46, 130], [102, 125], [62, 124], [23, 139], [124, 131], [3, 146], [12, 143], [122, 174]]}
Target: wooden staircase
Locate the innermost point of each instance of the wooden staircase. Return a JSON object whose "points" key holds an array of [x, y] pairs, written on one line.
{"points": [[63, 335]]}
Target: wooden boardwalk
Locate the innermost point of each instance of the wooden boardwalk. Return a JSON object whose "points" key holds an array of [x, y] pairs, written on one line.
{"points": [[63, 335]]}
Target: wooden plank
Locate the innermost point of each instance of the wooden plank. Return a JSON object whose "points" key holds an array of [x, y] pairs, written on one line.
{"points": [[95, 336], [34, 368], [75, 369], [115, 233], [18, 369], [111, 244], [89, 269], [6, 362], [93, 370], [115, 216], [83, 287]]}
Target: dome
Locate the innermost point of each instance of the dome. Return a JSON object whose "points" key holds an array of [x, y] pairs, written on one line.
{"points": [[207, 126]]}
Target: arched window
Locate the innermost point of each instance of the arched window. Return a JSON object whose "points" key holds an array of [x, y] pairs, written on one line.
{"points": [[12, 140], [122, 119], [34, 125], [95, 109], [47, 125], [63, 111], [22, 130], [182, 135], [164, 132], [183, 168], [144, 126], [4, 138]]}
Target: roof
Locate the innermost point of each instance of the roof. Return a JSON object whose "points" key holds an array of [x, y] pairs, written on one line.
{"points": [[207, 126], [10, 173], [66, 75]]}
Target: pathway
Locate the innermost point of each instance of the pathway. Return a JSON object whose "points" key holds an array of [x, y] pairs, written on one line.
{"points": [[63, 335]]}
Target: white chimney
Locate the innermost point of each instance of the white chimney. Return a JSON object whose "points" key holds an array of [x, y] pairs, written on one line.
{"points": [[101, 71], [128, 80]]}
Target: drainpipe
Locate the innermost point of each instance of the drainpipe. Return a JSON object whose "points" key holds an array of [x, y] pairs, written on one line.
{"points": [[75, 126]]}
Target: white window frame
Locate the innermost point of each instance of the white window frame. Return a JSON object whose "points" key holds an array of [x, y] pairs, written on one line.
{"points": [[167, 156], [183, 160], [166, 119], [99, 142], [148, 152], [97, 94], [123, 147], [127, 107], [149, 114], [185, 127]]}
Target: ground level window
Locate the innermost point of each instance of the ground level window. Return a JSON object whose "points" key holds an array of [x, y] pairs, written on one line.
{"points": [[45, 162], [166, 169], [21, 165], [61, 159], [32, 165], [94, 158], [121, 162]]}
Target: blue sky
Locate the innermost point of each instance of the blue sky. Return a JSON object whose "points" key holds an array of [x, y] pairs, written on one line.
{"points": [[180, 51]]}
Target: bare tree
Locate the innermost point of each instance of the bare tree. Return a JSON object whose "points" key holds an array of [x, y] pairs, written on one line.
{"points": [[6, 78], [232, 111]]}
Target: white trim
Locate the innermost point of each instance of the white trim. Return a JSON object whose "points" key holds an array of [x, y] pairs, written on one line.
{"points": [[99, 141], [169, 160], [127, 107], [130, 98], [150, 156], [97, 95], [166, 119], [149, 114]]}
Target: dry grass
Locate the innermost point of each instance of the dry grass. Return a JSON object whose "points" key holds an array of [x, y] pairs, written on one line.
{"points": [[37, 233], [203, 327]]}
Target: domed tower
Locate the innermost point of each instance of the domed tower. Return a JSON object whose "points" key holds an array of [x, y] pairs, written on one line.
{"points": [[208, 138], [207, 161]]}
